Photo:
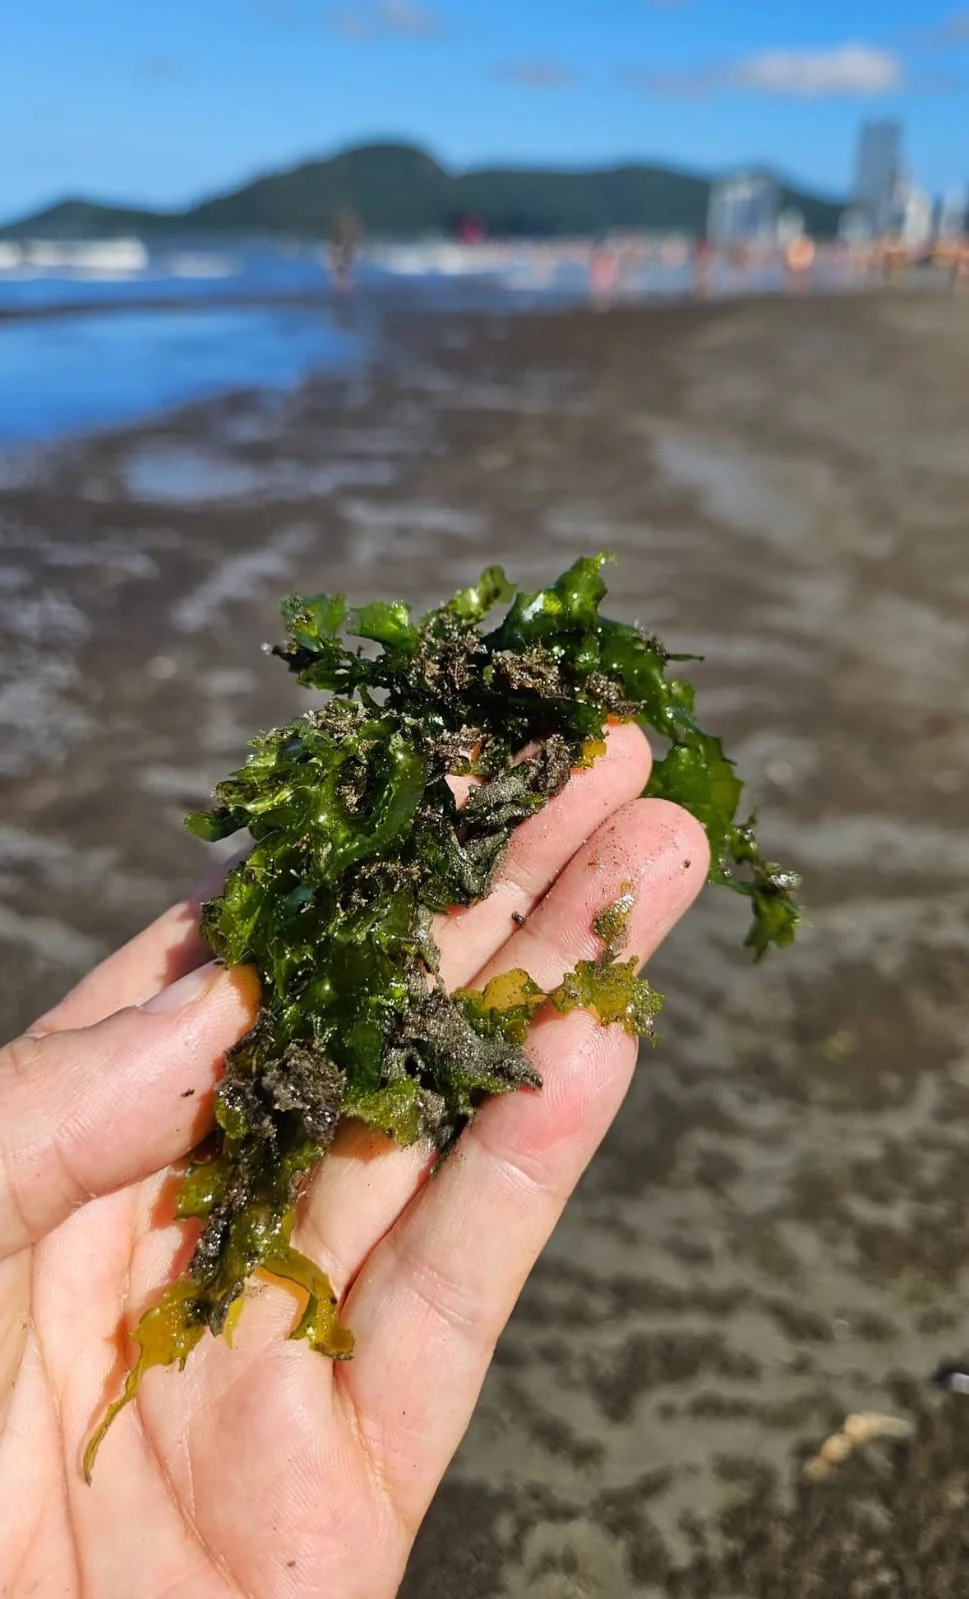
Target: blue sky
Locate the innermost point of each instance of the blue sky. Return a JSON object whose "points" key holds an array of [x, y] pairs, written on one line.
{"points": [[164, 102]]}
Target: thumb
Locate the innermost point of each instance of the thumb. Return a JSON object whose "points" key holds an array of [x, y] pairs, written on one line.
{"points": [[86, 1112]]}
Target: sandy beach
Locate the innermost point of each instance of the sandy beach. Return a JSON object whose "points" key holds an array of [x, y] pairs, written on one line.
{"points": [[776, 1232]]}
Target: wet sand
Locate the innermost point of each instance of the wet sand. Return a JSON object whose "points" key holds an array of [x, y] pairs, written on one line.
{"points": [[775, 1232]]}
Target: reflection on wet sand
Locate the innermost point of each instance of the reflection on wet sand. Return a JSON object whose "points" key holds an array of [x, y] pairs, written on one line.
{"points": [[773, 1237]]}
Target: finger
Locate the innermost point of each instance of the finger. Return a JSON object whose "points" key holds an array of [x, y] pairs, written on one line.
{"points": [[651, 848], [539, 849], [429, 1305], [356, 1195], [156, 958], [172, 946], [89, 1110]]}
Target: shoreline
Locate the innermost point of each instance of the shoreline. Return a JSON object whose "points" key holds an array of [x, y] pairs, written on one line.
{"points": [[100, 380], [107, 307], [388, 326], [418, 293]]}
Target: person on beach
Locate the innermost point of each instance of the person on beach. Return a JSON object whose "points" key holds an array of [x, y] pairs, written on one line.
{"points": [[702, 268], [344, 245], [264, 1469]]}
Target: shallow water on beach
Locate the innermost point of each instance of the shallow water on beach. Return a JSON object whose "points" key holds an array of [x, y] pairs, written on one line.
{"points": [[75, 374]]}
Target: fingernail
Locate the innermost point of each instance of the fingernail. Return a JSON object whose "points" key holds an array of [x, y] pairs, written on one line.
{"points": [[183, 993]]}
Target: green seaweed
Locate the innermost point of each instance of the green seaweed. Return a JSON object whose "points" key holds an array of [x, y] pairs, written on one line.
{"points": [[357, 840]]}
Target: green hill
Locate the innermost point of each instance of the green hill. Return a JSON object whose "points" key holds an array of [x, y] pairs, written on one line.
{"points": [[398, 191]]}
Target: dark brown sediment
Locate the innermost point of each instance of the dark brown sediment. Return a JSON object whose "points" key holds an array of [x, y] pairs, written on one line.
{"points": [[775, 1232]]}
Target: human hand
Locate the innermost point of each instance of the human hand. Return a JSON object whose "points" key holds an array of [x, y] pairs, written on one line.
{"points": [[264, 1469]]}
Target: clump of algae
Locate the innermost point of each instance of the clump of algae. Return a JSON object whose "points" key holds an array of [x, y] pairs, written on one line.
{"points": [[357, 841]]}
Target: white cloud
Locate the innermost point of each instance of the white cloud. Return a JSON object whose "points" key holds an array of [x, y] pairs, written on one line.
{"points": [[853, 69]]}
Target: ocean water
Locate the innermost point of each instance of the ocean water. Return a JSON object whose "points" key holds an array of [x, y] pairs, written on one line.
{"points": [[76, 374], [431, 274], [82, 350], [189, 275], [86, 347]]}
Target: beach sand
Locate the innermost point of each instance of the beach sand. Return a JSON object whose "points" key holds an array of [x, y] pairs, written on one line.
{"points": [[776, 1231]]}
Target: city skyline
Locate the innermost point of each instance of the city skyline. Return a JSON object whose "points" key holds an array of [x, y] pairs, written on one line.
{"points": [[878, 168], [159, 110]]}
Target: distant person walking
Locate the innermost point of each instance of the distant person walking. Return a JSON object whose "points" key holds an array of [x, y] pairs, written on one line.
{"points": [[603, 276], [799, 258], [344, 245], [702, 268]]}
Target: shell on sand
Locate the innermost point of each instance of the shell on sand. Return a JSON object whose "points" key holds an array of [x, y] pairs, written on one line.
{"points": [[862, 1427]]}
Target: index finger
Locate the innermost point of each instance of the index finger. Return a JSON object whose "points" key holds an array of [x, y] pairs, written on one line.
{"points": [[171, 946]]}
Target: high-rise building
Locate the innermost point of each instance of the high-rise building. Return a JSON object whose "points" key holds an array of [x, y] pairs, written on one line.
{"points": [[877, 172], [913, 215], [743, 210], [953, 214]]}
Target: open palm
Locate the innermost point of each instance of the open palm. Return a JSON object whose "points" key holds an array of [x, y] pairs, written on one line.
{"points": [[263, 1469]]}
